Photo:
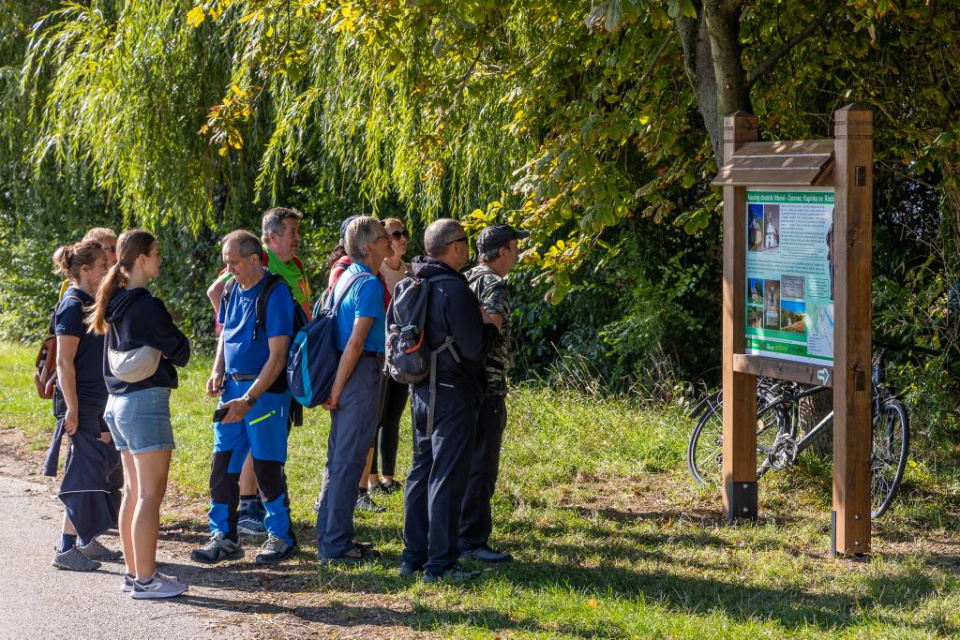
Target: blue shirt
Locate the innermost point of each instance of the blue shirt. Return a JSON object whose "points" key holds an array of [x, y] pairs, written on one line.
{"points": [[241, 353], [365, 300], [88, 362]]}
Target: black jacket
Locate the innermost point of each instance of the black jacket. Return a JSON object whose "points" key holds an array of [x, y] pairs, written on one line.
{"points": [[139, 319], [454, 310]]}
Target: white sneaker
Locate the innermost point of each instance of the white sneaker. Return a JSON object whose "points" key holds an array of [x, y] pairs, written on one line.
{"points": [[129, 579], [158, 586]]}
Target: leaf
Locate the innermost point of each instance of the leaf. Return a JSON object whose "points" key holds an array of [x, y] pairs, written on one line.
{"points": [[614, 14], [196, 16]]}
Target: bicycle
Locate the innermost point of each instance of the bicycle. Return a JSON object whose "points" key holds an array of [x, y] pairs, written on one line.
{"points": [[777, 425]]}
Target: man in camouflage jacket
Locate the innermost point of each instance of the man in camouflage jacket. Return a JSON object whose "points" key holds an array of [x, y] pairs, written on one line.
{"points": [[497, 248]]}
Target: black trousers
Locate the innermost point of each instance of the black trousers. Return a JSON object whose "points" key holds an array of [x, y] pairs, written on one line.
{"points": [[438, 476], [476, 520], [388, 431]]}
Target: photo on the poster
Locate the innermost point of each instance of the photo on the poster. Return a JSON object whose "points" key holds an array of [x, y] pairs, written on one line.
{"points": [[771, 228], [755, 317], [755, 227], [755, 291], [792, 287], [792, 314], [771, 307]]}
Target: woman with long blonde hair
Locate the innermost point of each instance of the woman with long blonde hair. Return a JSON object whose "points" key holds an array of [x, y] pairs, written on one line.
{"points": [[138, 409]]}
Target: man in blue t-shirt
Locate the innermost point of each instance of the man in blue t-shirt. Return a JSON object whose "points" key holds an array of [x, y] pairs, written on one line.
{"points": [[253, 414], [354, 401]]}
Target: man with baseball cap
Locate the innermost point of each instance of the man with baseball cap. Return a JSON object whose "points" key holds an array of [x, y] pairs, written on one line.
{"points": [[498, 251]]}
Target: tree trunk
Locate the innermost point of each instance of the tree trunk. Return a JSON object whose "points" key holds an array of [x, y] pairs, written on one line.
{"points": [[811, 411], [711, 57]]}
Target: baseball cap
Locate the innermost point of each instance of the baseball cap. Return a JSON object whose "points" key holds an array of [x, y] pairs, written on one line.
{"points": [[498, 235], [343, 230]]}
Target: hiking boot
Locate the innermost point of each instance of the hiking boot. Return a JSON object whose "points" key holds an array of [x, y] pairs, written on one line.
{"points": [[455, 573], [157, 586], [96, 551], [275, 550], [73, 560], [486, 555], [218, 548], [408, 569], [251, 522], [129, 579], [366, 503]]}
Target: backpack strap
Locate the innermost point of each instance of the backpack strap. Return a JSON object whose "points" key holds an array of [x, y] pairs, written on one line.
{"points": [[447, 345], [352, 279], [260, 306]]}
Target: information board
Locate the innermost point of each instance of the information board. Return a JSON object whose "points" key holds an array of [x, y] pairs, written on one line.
{"points": [[790, 269]]}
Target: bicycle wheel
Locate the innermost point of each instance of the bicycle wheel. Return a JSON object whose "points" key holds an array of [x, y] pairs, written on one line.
{"points": [[705, 449], [888, 456]]}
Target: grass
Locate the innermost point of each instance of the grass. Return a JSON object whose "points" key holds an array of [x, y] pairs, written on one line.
{"points": [[612, 539]]}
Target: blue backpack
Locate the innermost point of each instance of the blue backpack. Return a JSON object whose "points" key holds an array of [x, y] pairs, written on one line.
{"points": [[313, 359]]}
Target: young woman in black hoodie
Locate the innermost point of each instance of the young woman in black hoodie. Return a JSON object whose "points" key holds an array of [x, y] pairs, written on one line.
{"points": [[138, 413]]}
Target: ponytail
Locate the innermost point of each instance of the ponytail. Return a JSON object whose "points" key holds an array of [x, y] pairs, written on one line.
{"points": [[130, 246], [70, 258]]}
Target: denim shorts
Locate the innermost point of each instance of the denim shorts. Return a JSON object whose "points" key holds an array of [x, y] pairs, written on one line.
{"points": [[140, 421]]}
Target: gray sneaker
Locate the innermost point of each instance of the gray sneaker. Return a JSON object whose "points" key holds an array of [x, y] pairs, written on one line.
{"points": [[96, 551], [73, 560], [129, 579], [275, 550], [366, 503], [158, 586], [219, 548]]}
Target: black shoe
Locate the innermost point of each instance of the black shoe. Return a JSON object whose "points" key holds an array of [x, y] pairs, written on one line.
{"points": [[408, 569], [455, 573], [389, 487], [363, 545], [486, 555], [356, 555]]}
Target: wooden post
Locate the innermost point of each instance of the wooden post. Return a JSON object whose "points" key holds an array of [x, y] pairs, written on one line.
{"points": [[739, 389], [853, 238]]}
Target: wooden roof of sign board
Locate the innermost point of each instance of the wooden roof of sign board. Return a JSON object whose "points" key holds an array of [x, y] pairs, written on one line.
{"points": [[795, 163]]}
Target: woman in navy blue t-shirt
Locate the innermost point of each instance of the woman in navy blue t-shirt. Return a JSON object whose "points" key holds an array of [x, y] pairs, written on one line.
{"points": [[81, 392]]}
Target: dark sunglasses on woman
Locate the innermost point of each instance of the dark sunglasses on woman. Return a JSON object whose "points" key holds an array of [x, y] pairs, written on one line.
{"points": [[396, 235]]}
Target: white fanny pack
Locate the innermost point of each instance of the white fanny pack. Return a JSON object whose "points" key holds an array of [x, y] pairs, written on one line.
{"points": [[135, 365]]}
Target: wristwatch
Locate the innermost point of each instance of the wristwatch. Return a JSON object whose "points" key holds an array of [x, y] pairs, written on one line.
{"points": [[249, 399]]}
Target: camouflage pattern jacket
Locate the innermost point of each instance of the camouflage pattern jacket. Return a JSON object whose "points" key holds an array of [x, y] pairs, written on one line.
{"points": [[494, 295]]}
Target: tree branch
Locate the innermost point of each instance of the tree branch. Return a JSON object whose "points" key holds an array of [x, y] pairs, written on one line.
{"points": [[767, 65]]}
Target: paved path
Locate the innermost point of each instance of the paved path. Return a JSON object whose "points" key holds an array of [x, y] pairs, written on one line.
{"points": [[42, 602]]}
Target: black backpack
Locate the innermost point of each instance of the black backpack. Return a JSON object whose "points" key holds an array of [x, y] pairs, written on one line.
{"points": [[409, 357], [260, 310]]}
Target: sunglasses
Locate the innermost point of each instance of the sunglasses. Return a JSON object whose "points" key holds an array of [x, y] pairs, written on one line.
{"points": [[396, 235], [463, 240]]}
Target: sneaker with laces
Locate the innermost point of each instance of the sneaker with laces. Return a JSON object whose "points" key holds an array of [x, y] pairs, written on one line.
{"points": [[250, 522], [408, 569], [129, 579], [366, 503], [454, 573], [96, 551], [217, 549], [275, 550], [73, 560], [157, 586]]}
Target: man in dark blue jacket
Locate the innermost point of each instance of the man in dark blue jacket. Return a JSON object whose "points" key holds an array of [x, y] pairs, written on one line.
{"points": [[441, 459]]}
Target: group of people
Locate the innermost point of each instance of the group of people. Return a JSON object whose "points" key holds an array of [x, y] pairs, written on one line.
{"points": [[107, 318]]}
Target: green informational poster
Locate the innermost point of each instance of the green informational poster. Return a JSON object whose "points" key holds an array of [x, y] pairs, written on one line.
{"points": [[790, 274]]}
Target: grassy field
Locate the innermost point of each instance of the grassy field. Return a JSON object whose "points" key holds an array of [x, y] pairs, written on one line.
{"points": [[611, 538]]}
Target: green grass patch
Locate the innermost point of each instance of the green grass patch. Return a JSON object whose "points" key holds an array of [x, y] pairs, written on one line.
{"points": [[611, 538]]}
